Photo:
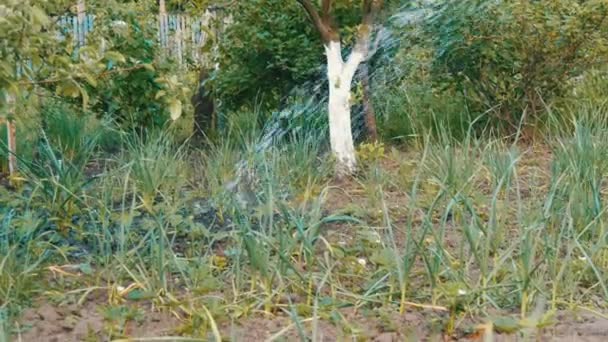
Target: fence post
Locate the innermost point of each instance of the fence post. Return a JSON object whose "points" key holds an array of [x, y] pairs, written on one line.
{"points": [[179, 38], [81, 18], [163, 24], [193, 49], [11, 138]]}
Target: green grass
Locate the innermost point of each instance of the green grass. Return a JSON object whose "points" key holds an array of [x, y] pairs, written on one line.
{"points": [[475, 230]]}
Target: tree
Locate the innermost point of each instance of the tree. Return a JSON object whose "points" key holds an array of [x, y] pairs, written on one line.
{"points": [[340, 74]]}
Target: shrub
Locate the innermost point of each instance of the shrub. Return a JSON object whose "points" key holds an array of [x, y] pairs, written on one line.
{"points": [[515, 56], [268, 49], [140, 96]]}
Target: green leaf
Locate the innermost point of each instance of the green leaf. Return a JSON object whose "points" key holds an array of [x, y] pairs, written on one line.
{"points": [[90, 79], [84, 94], [86, 269], [160, 94], [175, 108], [138, 294], [257, 255], [39, 16], [68, 89], [383, 257], [506, 325], [115, 57], [548, 319]]}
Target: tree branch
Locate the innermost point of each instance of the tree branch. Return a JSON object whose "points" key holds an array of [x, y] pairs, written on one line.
{"points": [[326, 9], [361, 49], [356, 57], [367, 12], [322, 25], [370, 9]]}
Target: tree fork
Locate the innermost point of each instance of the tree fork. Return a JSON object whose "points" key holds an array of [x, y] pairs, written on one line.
{"points": [[340, 75]]}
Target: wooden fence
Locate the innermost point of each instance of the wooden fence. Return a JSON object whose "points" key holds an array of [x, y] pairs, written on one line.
{"points": [[180, 37]]}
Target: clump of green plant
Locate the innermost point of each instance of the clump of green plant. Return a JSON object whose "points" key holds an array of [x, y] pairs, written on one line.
{"points": [[580, 165], [58, 173], [156, 164], [411, 111], [24, 248], [584, 105], [370, 153], [72, 131]]}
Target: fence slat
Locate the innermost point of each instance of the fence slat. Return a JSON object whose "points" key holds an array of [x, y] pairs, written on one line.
{"points": [[81, 19], [162, 24]]}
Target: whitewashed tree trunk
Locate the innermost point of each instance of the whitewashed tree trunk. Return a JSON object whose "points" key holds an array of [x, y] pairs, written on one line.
{"points": [[340, 76]]}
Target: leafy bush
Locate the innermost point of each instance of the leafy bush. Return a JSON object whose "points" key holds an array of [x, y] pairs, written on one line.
{"points": [[515, 56], [269, 48], [142, 95], [118, 73]]}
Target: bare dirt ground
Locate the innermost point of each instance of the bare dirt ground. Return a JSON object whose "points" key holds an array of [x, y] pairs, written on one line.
{"points": [[86, 323]]}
